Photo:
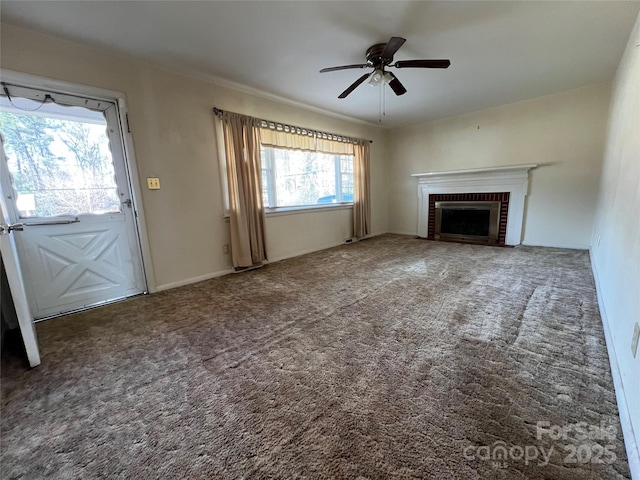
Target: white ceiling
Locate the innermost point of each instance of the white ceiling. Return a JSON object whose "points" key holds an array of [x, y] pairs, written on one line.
{"points": [[500, 52]]}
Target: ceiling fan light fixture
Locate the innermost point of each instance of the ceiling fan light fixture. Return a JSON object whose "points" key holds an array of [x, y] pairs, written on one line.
{"points": [[387, 78], [376, 78]]}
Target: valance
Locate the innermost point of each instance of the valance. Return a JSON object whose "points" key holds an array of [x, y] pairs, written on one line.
{"points": [[275, 134]]}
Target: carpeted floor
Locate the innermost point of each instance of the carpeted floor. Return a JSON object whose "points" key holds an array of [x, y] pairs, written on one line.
{"points": [[389, 358]]}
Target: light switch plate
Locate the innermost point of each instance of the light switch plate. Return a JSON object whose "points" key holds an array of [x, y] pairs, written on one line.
{"points": [[634, 339], [153, 183]]}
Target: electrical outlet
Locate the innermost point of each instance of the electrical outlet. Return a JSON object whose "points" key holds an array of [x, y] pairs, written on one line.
{"points": [[634, 339], [153, 183], [225, 248]]}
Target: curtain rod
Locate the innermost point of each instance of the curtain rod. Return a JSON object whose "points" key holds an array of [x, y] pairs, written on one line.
{"points": [[219, 112]]}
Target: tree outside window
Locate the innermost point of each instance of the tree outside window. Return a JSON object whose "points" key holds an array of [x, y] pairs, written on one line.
{"points": [[294, 178], [59, 166]]}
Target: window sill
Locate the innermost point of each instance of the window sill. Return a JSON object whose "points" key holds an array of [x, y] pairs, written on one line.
{"points": [[275, 212]]}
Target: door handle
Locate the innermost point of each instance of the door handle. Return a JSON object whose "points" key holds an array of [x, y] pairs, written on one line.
{"points": [[7, 229], [55, 222]]}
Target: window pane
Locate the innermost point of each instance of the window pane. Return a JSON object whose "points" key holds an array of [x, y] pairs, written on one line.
{"points": [[60, 161], [265, 187], [346, 178], [305, 178]]}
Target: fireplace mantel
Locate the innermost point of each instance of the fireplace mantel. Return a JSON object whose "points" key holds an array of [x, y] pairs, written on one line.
{"points": [[513, 179]]}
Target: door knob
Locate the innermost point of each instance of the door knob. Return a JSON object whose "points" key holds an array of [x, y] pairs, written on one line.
{"points": [[7, 229]]}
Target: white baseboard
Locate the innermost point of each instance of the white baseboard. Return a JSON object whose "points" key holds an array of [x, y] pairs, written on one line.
{"points": [[398, 232], [189, 281], [305, 251], [201, 278], [317, 249], [571, 246], [630, 441]]}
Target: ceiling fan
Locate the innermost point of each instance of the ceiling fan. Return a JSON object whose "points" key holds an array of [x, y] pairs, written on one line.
{"points": [[379, 57]]}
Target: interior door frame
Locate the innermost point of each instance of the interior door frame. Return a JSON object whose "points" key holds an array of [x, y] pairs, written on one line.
{"points": [[133, 179]]}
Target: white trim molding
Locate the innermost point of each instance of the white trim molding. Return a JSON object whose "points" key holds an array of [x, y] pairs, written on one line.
{"points": [[513, 179], [630, 437], [189, 281]]}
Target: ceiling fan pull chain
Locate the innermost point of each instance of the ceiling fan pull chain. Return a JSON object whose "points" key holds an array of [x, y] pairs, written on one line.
{"points": [[384, 99], [380, 97]]}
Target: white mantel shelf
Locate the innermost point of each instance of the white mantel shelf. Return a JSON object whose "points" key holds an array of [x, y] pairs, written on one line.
{"points": [[513, 179], [522, 168]]}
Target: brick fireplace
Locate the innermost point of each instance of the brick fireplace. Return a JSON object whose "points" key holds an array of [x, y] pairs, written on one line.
{"points": [[502, 197], [507, 185]]}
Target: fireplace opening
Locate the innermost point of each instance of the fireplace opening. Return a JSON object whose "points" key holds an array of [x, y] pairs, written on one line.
{"points": [[468, 221], [499, 200]]}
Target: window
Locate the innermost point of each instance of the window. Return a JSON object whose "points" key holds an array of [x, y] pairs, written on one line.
{"points": [[294, 178], [59, 159]]}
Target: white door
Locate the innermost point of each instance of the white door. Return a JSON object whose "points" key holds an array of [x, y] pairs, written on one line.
{"points": [[64, 178], [16, 284]]}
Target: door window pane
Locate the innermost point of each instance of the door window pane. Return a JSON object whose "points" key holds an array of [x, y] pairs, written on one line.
{"points": [[59, 159]]}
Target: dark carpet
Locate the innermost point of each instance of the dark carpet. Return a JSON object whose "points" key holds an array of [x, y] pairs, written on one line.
{"points": [[390, 358]]}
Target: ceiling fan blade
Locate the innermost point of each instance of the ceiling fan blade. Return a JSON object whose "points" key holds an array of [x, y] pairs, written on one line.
{"points": [[392, 47], [354, 85], [396, 86], [422, 64], [344, 67]]}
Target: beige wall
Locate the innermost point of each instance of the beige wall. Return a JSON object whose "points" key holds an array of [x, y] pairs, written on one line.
{"points": [[173, 132], [616, 235], [562, 133]]}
